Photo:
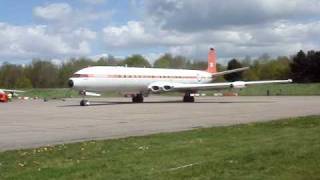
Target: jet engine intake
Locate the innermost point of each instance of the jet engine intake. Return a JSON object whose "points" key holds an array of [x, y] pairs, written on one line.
{"points": [[158, 87], [155, 89], [166, 88]]}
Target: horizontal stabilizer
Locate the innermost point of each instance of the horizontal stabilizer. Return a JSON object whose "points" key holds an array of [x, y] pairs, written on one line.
{"points": [[229, 71]]}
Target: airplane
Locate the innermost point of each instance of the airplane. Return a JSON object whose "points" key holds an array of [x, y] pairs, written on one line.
{"points": [[140, 82], [5, 94]]}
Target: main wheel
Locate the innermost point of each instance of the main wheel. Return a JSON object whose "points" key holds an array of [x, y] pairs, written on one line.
{"points": [[140, 98], [188, 99], [137, 98], [84, 103]]}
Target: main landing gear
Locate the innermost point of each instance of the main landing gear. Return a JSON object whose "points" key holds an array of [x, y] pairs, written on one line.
{"points": [[187, 97], [138, 98]]}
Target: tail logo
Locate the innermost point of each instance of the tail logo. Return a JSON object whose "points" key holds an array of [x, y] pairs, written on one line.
{"points": [[212, 61]]}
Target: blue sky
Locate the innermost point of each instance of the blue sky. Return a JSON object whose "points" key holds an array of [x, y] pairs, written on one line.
{"points": [[59, 30], [20, 12]]}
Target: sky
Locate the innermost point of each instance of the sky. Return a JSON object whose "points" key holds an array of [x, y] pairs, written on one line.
{"points": [[61, 29]]}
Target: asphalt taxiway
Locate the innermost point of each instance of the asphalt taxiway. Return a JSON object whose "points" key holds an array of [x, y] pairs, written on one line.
{"points": [[26, 124]]}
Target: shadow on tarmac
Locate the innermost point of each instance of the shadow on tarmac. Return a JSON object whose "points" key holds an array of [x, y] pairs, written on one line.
{"points": [[109, 103]]}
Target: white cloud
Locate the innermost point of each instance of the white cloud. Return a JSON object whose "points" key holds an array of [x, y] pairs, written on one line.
{"points": [[278, 38], [136, 34], [235, 29], [126, 35], [25, 42], [63, 16], [99, 56], [53, 12], [194, 15], [182, 27], [94, 2], [83, 33], [62, 31]]}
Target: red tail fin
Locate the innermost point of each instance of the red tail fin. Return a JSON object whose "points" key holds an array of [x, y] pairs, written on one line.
{"points": [[212, 61]]}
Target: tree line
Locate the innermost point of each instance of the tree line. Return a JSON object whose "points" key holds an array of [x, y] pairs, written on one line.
{"points": [[302, 67]]}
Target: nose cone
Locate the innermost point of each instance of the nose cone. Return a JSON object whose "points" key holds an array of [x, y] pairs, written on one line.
{"points": [[70, 83]]}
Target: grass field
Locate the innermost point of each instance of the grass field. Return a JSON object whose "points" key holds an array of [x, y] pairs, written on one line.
{"points": [[261, 90], [287, 149], [58, 93], [283, 89]]}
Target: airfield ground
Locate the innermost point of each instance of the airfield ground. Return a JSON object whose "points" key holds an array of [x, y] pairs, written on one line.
{"points": [[282, 149], [26, 124]]}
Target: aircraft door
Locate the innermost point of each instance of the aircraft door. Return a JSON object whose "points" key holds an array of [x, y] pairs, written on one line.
{"points": [[198, 77]]}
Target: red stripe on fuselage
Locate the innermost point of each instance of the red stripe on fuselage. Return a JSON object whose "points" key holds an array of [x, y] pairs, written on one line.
{"points": [[131, 76]]}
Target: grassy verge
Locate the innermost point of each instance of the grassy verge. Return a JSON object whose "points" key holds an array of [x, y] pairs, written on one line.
{"points": [[287, 149], [50, 93], [283, 89], [312, 89], [59, 93]]}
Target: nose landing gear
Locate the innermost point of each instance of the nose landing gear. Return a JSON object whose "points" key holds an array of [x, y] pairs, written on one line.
{"points": [[84, 102]]}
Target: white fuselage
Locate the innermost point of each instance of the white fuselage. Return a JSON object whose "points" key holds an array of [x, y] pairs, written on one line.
{"points": [[128, 79]]}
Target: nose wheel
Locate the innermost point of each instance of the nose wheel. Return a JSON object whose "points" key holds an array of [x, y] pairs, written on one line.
{"points": [[84, 103]]}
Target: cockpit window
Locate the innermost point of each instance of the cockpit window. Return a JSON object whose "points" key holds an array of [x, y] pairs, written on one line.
{"points": [[79, 75], [76, 75]]}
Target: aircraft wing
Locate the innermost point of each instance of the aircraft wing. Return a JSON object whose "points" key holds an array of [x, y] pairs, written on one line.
{"points": [[11, 91], [168, 86]]}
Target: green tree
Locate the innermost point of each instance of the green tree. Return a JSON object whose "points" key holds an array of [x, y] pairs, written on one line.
{"points": [[102, 62], [267, 68], [180, 62], [112, 61], [299, 67], [233, 64], [10, 74], [136, 61], [314, 66], [275, 69], [168, 61], [305, 67], [24, 82], [164, 61], [199, 65], [43, 74]]}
